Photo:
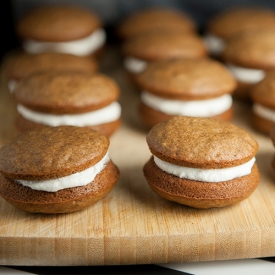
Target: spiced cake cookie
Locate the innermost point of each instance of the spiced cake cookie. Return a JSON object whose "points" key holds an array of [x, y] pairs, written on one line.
{"points": [[263, 107], [61, 28], [19, 65], [248, 55], [155, 18], [201, 162], [186, 87], [56, 169], [68, 98], [139, 50], [229, 22]]}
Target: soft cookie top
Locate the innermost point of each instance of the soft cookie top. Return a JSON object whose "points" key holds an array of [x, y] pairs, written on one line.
{"points": [[160, 44], [66, 92], [187, 79], [22, 64], [155, 19], [52, 152], [201, 143], [252, 49], [238, 19], [55, 23]]}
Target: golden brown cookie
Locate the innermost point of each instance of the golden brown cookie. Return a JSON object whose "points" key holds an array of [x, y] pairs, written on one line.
{"points": [[187, 87], [150, 19], [201, 162], [56, 169], [160, 45], [65, 24], [263, 98], [249, 55], [229, 22], [68, 98]]}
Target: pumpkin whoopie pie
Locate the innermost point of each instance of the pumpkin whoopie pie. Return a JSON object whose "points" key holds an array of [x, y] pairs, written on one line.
{"points": [[19, 65], [155, 18], [68, 98], [56, 169], [231, 21], [248, 55], [263, 99], [61, 28], [160, 45], [187, 87], [201, 162]]}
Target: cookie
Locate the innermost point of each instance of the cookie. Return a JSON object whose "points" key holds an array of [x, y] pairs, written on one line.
{"points": [[68, 98], [248, 55], [186, 87], [263, 99], [229, 22], [69, 29], [18, 66], [146, 20], [56, 169], [201, 162], [160, 45]]}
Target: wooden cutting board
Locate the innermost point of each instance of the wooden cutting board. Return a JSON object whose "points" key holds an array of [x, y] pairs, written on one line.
{"points": [[132, 225]]}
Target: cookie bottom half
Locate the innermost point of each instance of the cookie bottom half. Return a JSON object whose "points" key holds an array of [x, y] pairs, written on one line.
{"points": [[151, 117], [261, 124], [107, 129], [200, 194], [63, 201]]}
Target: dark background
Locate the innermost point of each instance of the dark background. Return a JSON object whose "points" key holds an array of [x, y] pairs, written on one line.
{"points": [[112, 11]]}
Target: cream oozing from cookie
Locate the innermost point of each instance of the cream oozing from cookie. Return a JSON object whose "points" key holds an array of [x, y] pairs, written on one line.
{"points": [[196, 108], [264, 112], [106, 114], [246, 75], [80, 47], [206, 175], [214, 44], [74, 180], [134, 65]]}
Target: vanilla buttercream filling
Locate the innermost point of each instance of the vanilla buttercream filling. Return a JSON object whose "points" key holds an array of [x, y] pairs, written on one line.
{"points": [[104, 115], [214, 44], [134, 65], [264, 112], [74, 180], [81, 47], [195, 108], [206, 175], [246, 75], [11, 85]]}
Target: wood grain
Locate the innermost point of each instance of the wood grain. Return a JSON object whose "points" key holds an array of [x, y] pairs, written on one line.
{"points": [[132, 225]]}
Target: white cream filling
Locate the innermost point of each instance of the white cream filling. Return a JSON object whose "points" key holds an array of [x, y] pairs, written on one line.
{"points": [[11, 85], [77, 179], [264, 112], [206, 175], [105, 115], [214, 44], [246, 75], [195, 108], [81, 47], [134, 65]]}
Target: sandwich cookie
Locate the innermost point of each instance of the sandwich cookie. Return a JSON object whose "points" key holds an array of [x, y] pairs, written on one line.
{"points": [[248, 55], [263, 99], [229, 22], [160, 45], [150, 19], [61, 28], [56, 169], [20, 65], [185, 87], [68, 98], [201, 162]]}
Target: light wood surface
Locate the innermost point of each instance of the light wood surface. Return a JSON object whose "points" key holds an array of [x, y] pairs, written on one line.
{"points": [[132, 225]]}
